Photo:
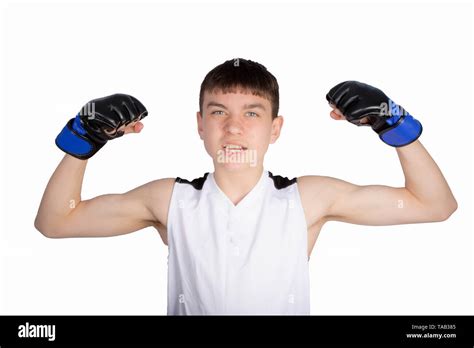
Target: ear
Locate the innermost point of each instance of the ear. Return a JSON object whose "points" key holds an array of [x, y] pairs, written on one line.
{"points": [[277, 124], [200, 125]]}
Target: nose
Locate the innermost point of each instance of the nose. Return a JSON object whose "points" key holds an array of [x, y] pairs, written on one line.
{"points": [[233, 125]]}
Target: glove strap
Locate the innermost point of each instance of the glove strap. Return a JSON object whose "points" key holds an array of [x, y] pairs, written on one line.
{"points": [[73, 140], [403, 130]]}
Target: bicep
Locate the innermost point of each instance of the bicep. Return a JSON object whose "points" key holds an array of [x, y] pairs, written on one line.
{"points": [[373, 205], [105, 216], [116, 214], [330, 199]]}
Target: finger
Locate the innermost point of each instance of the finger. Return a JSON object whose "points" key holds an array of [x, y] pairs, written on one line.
{"points": [[336, 116], [365, 120], [138, 127], [339, 112], [335, 109], [134, 127]]}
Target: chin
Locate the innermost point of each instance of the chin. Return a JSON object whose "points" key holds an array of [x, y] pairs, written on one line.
{"points": [[233, 167]]}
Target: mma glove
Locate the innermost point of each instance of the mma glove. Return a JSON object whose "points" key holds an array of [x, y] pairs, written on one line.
{"points": [[98, 122], [364, 105]]}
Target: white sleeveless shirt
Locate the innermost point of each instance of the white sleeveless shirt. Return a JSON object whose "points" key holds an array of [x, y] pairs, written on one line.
{"points": [[249, 258]]}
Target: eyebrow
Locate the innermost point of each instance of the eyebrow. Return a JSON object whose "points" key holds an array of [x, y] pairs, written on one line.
{"points": [[246, 106], [211, 103], [254, 106]]}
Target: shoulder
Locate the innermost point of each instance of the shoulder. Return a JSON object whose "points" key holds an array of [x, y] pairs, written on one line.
{"points": [[316, 184], [309, 183], [153, 196], [324, 188], [312, 187], [317, 194], [165, 186], [158, 186]]}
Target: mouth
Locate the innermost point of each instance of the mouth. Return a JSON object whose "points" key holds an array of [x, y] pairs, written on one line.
{"points": [[233, 147]]}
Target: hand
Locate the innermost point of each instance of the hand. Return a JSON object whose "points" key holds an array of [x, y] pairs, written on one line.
{"points": [[337, 115], [101, 120], [364, 105], [134, 127]]}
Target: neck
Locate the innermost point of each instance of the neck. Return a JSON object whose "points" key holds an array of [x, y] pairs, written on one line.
{"points": [[237, 184]]}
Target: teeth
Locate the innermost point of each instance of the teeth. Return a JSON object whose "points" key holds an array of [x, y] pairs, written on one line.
{"points": [[233, 147]]}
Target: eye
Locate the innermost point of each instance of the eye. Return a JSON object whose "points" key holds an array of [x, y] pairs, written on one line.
{"points": [[252, 114], [217, 112]]}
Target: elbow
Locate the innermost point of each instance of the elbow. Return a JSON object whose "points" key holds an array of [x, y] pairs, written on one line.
{"points": [[40, 227], [445, 212], [44, 228]]}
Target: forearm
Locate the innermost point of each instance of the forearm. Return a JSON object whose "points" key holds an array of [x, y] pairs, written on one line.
{"points": [[63, 192], [424, 180]]}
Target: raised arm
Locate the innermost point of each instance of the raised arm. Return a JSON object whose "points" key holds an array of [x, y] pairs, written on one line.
{"points": [[62, 212], [426, 196]]}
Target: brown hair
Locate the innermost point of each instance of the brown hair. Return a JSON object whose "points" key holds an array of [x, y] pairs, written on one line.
{"points": [[242, 75]]}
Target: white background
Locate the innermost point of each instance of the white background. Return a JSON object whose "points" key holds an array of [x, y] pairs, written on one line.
{"points": [[56, 57]]}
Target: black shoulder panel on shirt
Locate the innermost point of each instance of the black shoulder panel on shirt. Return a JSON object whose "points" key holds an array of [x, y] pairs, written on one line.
{"points": [[281, 182], [196, 183]]}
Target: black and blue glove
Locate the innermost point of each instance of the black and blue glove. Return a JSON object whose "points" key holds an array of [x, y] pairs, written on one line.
{"points": [[97, 122], [364, 105]]}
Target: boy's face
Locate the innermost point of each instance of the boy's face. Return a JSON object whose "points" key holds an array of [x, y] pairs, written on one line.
{"points": [[237, 128]]}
